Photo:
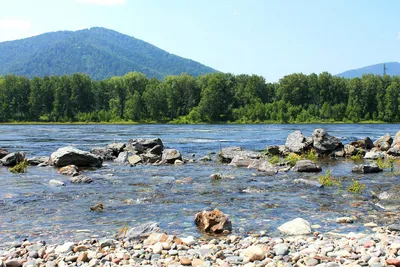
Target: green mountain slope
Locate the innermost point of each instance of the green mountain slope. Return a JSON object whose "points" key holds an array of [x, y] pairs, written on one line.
{"points": [[98, 52], [392, 69]]}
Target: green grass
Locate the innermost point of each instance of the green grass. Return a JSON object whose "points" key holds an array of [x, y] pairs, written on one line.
{"points": [[356, 187], [21, 167], [293, 158], [328, 180], [387, 163], [274, 160], [358, 156], [311, 155]]}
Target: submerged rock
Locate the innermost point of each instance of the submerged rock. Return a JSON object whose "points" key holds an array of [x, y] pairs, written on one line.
{"points": [[70, 170], [297, 226], [38, 160], [142, 230], [215, 222], [241, 161], [325, 143], [308, 182], [72, 156], [267, 168], [13, 159], [81, 179], [296, 142], [363, 168], [56, 182], [3, 153], [306, 166], [228, 153], [171, 155]]}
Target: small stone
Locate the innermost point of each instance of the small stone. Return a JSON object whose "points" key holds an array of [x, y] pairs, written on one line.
{"points": [[281, 249], [311, 262], [253, 253], [66, 247], [80, 248], [157, 248], [189, 240], [13, 263], [107, 243], [344, 220], [56, 182], [185, 261], [83, 257], [71, 258], [297, 226], [395, 262], [173, 252], [198, 263]]}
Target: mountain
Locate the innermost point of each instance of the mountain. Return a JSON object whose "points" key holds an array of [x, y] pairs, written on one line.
{"points": [[393, 68], [99, 52]]}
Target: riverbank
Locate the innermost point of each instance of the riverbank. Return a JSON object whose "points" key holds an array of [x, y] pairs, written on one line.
{"points": [[381, 247]]}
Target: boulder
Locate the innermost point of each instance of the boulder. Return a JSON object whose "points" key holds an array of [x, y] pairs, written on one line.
{"points": [[365, 143], [56, 182], [135, 148], [72, 156], [240, 161], [116, 148], [122, 158], [151, 158], [80, 179], [103, 152], [3, 153], [170, 156], [297, 226], [142, 230], [325, 143], [215, 222], [350, 150], [394, 150], [273, 150], [306, 166], [70, 170], [228, 153], [13, 159], [384, 142], [374, 155], [147, 143], [134, 159], [156, 150], [296, 142], [38, 160], [267, 168], [364, 168]]}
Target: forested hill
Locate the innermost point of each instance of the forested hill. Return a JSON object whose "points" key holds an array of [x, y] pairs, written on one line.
{"points": [[392, 69], [98, 52]]}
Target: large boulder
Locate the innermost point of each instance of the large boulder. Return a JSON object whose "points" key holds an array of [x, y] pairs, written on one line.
{"points": [[72, 156], [306, 166], [146, 143], [171, 155], [297, 226], [104, 153], [116, 148], [384, 142], [215, 222], [228, 153], [296, 142], [325, 143], [13, 159], [365, 143], [363, 168]]}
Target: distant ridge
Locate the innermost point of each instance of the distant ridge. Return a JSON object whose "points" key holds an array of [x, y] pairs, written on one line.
{"points": [[393, 68], [101, 53]]}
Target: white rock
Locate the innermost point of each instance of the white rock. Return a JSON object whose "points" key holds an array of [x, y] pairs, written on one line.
{"points": [[189, 240], [67, 247], [56, 183], [157, 248], [253, 253], [297, 226]]}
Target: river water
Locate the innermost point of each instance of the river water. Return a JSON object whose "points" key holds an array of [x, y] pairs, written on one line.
{"points": [[32, 208]]}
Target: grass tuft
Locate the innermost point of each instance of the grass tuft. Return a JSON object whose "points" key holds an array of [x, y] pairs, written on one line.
{"points": [[21, 167], [328, 180], [356, 187]]}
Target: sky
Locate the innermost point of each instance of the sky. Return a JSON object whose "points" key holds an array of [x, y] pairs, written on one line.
{"points": [[271, 38]]}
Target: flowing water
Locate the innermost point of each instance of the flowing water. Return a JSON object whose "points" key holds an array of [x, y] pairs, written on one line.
{"points": [[32, 208]]}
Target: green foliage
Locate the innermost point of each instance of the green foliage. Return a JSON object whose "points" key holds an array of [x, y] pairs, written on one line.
{"points": [[311, 155], [21, 167], [358, 156], [356, 187], [274, 160], [387, 163], [328, 180], [293, 158]]}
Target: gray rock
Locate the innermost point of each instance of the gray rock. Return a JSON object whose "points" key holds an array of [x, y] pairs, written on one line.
{"points": [[273, 150], [306, 166], [228, 153], [56, 183], [267, 168], [38, 160], [13, 159], [134, 159], [142, 230], [281, 249], [296, 142], [240, 161], [205, 158], [107, 243], [73, 156], [325, 143], [157, 150], [13, 263], [308, 182], [66, 247], [371, 168], [374, 155], [116, 148], [384, 142], [104, 153], [151, 158], [122, 158], [80, 179], [170, 156], [3, 153], [147, 143], [297, 226]]}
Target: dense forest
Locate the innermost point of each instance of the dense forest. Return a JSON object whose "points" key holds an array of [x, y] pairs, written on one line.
{"points": [[216, 97], [99, 52]]}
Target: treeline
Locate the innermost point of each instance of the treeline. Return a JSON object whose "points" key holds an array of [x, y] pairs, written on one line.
{"points": [[216, 97]]}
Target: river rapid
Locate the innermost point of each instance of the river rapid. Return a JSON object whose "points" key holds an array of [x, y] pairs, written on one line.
{"points": [[32, 208]]}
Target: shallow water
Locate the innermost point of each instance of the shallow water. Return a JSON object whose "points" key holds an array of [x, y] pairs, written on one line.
{"points": [[31, 208]]}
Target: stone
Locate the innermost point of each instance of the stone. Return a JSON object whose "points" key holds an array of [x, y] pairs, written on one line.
{"points": [[3, 153], [351, 150], [70, 170], [38, 160], [374, 155], [205, 158], [104, 153], [83, 257], [240, 161], [297, 226], [325, 143], [13, 159], [281, 249], [253, 253], [157, 150], [185, 261], [189, 240], [116, 148], [345, 220], [157, 248], [13, 263], [267, 168], [170, 156], [142, 230], [150, 158], [146, 143], [228, 153], [214, 221], [107, 243], [383, 143], [272, 150], [81, 179], [363, 168], [393, 261], [72, 156], [306, 166], [56, 182], [134, 159], [198, 263], [296, 142], [80, 248], [308, 182], [122, 158], [66, 247]]}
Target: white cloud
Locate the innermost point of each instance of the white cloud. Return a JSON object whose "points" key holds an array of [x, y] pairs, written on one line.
{"points": [[102, 2], [15, 24]]}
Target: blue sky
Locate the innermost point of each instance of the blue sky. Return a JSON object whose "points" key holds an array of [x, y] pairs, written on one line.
{"points": [[264, 37]]}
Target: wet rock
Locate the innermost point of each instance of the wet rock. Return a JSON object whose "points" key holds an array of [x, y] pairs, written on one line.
{"points": [[66, 247], [70, 170], [345, 220], [146, 143], [142, 230], [228, 153], [390, 198], [325, 143], [363, 168], [150, 158], [267, 168], [3, 153], [134, 159], [273, 150], [171, 155], [365, 143], [384, 142], [73, 156], [205, 158], [308, 182], [374, 155], [13, 263], [297, 226], [254, 253], [122, 158], [56, 183], [214, 221], [351, 150], [80, 179], [116, 148], [306, 166], [394, 151], [221, 176], [38, 160], [240, 161], [340, 153], [104, 153], [296, 142], [13, 159], [156, 150]]}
